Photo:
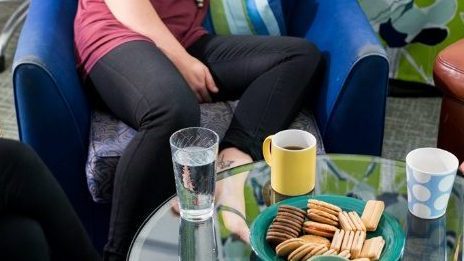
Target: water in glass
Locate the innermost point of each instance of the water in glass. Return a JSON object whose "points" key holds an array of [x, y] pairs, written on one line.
{"points": [[194, 159]]}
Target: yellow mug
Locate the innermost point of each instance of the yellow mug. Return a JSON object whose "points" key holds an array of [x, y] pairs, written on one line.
{"points": [[291, 154]]}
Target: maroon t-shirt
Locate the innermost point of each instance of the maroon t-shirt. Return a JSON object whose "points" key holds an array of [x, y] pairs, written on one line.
{"points": [[97, 31]]}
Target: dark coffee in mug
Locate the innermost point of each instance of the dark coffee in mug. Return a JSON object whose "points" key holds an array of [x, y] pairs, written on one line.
{"points": [[293, 148]]}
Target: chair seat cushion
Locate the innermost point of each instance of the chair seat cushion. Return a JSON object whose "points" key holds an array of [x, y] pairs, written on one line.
{"points": [[110, 136]]}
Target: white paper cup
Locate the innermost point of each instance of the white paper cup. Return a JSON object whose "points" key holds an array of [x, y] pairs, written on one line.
{"points": [[430, 177]]}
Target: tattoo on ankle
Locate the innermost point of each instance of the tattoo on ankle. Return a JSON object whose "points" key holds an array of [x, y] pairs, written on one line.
{"points": [[223, 164]]}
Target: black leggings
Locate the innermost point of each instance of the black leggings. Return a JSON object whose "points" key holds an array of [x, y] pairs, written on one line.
{"points": [[36, 220], [140, 85]]}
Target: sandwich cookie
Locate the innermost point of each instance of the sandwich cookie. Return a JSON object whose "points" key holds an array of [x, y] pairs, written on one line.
{"points": [[337, 240], [356, 220], [292, 209], [348, 240], [372, 248], [279, 227], [301, 251], [323, 206], [345, 254], [316, 251], [288, 246], [319, 229], [372, 214], [275, 238], [358, 242], [316, 240], [345, 221], [322, 217]]}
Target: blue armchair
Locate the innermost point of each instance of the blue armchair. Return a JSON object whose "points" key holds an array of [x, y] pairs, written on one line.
{"points": [[54, 114]]}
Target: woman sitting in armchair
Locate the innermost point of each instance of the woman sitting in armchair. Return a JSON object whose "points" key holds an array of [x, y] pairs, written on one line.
{"points": [[152, 63]]}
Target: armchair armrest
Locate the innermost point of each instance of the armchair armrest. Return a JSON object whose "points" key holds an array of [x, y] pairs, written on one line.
{"points": [[53, 115], [350, 105]]}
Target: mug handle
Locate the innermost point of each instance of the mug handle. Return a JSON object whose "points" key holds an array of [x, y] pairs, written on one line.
{"points": [[267, 150]]}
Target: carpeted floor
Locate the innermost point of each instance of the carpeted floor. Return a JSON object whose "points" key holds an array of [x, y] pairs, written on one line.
{"points": [[410, 122], [8, 126]]}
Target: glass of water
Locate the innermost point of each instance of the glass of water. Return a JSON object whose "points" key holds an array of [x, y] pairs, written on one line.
{"points": [[194, 151]]}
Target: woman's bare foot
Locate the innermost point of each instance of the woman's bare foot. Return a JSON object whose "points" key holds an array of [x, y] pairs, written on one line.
{"points": [[230, 192], [175, 208], [232, 157]]}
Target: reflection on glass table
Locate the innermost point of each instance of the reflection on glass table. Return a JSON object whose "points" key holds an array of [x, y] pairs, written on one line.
{"points": [[165, 237]]}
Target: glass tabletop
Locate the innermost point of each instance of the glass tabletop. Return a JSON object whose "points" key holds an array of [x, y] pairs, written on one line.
{"points": [[245, 191]]}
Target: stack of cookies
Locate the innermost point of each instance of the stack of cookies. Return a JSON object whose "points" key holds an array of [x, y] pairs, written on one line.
{"points": [[329, 231], [323, 218], [351, 241], [286, 225], [350, 221]]}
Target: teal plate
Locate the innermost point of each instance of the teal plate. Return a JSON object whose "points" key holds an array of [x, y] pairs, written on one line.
{"points": [[388, 228]]}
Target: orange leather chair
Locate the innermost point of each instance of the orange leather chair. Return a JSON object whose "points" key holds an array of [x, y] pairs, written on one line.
{"points": [[448, 72]]}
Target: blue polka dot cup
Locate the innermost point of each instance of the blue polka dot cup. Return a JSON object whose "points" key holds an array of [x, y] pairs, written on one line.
{"points": [[430, 177]]}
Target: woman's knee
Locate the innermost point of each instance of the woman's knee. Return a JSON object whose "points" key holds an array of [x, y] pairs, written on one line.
{"points": [[300, 47], [183, 113], [14, 150], [177, 111], [20, 161]]}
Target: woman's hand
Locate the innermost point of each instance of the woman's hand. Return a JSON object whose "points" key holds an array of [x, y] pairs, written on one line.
{"points": [[198, 77], [142, 18]]}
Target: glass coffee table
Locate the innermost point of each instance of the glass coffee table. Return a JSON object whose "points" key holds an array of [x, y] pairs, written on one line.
{"points": [[164, 236]]}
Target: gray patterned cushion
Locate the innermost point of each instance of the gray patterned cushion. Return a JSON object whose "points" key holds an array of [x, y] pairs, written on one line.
{"points": [[110, 136]]}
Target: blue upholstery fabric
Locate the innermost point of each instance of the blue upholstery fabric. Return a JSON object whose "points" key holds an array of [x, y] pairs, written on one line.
{"points": [[52, 110], [350, 108], [53, 113]]}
